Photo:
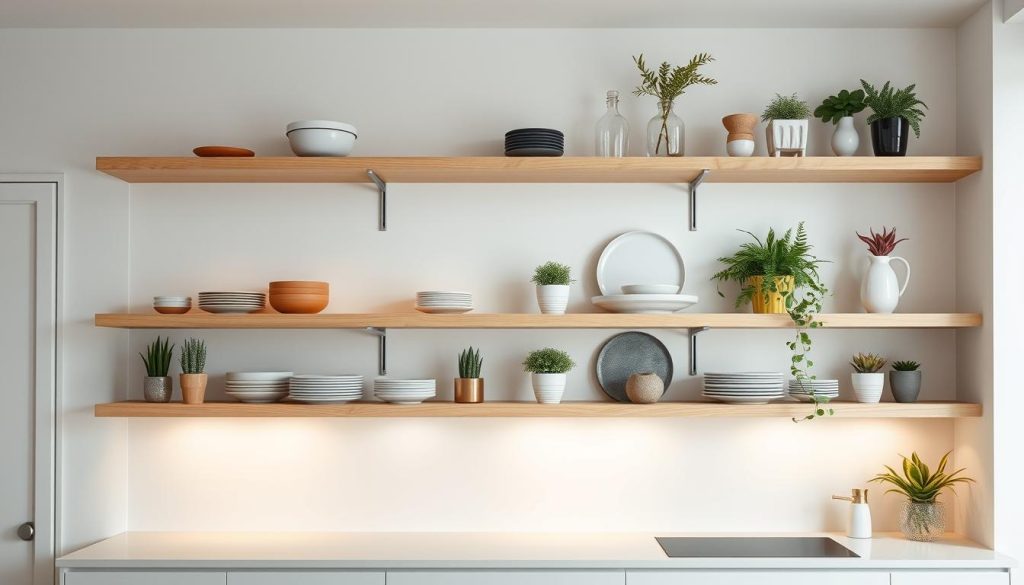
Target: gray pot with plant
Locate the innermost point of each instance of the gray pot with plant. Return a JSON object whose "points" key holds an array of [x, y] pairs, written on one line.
{"points": [[193, 371], [158, 386], [553, 280], [786, 133], [922, 516], [548, 368], [905, 381], [895, 113], [469, 386]]}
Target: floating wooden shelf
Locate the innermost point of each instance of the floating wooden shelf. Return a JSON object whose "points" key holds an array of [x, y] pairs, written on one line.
{"points": [[200, 320], [498, 169], [532, 410]]}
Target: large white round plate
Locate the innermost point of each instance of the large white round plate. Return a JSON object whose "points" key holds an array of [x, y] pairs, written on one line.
{"points": [[444, 310], [644, 303], [639, 258]]}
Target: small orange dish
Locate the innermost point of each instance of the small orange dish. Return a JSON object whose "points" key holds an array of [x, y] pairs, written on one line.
{"points": [[299, 303], [220, 151], [172, 310]]}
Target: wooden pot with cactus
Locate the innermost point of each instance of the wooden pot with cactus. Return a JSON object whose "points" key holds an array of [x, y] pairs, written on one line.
{"points": [[867, 378], [553, 280], [905, 381], [786, 133], [193, 371], [158, 386], [469, 386], [922, 517]]}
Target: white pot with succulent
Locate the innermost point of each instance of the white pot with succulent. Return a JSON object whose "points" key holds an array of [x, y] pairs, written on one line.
{"points": [[786, 133], [868, 381], [839, 110], [548, 368], [553, 280]]}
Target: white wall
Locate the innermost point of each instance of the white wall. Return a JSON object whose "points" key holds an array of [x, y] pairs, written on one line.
{"points": [[134, 92]]}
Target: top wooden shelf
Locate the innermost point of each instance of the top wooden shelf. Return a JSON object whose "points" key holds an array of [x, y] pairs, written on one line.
{"points": [[498, 169]]}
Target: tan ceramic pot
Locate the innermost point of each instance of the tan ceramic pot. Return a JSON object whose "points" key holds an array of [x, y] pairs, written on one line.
{"points": [[469, 390], [193, 388], [644, 388]]}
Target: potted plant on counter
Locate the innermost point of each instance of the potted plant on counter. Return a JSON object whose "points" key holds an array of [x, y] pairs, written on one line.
{"points": [[469, 386], [880, 292], [867, 380], [193, 368], [553, 280], [158, 386], [666, 132], [548, 368], [839, 110], [895, 112], [922, 517], [905, 381], [787, 125]]}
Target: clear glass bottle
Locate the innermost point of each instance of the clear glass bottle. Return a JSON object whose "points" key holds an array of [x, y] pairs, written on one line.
{"points": [[666, 133], [612, 130]]}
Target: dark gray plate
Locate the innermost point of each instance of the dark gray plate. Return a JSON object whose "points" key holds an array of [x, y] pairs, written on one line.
{"points": [[534, 152], [627, 354]]}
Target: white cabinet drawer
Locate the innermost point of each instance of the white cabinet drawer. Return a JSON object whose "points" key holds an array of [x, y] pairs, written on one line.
{"points": [[739, 577], [144, 578], [950, 578], [510, 577], [306, 577]]}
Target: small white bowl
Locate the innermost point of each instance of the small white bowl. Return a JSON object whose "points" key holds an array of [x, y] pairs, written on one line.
{"points": [[740, 147], [321, 138], [650, 289]]}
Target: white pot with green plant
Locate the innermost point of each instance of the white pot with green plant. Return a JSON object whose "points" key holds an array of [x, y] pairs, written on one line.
{"points": [[548, 368], [193, 371], [553, 280], [786, 133], [922, 517], [839, 110], [868, 381], [666, 133], [158, 386]]}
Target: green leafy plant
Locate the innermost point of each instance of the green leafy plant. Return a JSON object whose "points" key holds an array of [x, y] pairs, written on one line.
{"points": [[918, 483], [193, 356], [905, 366], [785, 107], [867, 363], [158, 358], [548, 361], [552, 273], [470, 363], [894, 103], [836, 107], [881, 244], [668, 82]]}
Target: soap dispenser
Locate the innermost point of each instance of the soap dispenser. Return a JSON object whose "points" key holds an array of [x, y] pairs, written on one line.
{"points": [[860, 514]]}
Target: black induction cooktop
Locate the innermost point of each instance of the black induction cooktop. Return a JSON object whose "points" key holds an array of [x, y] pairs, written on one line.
{"points": [[753, 547]]}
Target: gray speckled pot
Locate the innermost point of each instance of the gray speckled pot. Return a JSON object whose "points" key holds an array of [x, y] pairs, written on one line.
{"points": [[905, 385], [158, 388]]}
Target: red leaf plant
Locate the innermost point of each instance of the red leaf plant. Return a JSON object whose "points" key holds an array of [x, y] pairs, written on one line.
{"points": [[881, 244]]}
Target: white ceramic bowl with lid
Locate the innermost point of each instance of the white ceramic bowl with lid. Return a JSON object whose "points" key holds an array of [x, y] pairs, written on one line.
{"points": [[321, 137]]}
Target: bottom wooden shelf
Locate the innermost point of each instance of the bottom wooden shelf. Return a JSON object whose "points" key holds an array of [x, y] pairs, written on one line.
{"points": [[532, 410]]}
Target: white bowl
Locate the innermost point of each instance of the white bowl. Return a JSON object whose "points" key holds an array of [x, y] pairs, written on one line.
{"points": [[650, 289], [740, 147], [321, 138], [259, 376]]}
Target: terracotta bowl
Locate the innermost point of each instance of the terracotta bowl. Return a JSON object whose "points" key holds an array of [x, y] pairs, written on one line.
{"points": [[172, 310], [299, 303], [317, 284], [299, 291]]}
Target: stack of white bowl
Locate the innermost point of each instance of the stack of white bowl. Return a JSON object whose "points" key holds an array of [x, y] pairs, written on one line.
{"points": [[805, 389], [325, 389], [444, 301], [404, 391], [232, 301], [257, 387], [170, 305], [745, 387]]}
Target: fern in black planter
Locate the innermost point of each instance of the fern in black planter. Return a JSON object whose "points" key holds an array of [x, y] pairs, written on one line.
{"points": [[895, 113]]}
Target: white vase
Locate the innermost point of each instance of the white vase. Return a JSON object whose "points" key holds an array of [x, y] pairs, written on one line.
{"points": [[548, 388], [845, 140], [880, 292], [786, 137], [868, 387], [553, 298]]}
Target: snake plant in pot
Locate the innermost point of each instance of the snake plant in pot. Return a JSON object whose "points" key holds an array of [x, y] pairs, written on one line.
{"points": [[922, 517], [158, 386], [469, 386], [193, 371]]}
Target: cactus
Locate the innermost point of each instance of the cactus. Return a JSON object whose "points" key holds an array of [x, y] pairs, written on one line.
{"points": [[470, 363], [193, 356], [158, 358], [905, 365], [868, 363]]}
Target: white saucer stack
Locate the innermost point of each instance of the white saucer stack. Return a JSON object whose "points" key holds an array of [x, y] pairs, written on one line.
{"points": [[257, 387], [324, 389], [232, 301], [745, 387], [805, 389], [444, 301], [404, 391]]}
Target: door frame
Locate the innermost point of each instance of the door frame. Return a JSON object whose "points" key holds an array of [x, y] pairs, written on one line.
{"points": [[49, 345]]}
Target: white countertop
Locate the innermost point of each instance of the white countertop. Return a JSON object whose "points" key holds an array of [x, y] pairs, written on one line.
{"points": [[476, 550]]}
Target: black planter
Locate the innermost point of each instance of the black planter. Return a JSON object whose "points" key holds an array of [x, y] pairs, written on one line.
{"points": [[889, 136]]}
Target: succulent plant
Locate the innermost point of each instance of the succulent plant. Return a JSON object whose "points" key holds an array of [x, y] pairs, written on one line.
{"points": [[470, 363], [785, 107], [881, 244], [917, 481], [548, 361], [552, 273], [905, 366], [193, 356], [158, 358], [836, 107], [867, 363]]}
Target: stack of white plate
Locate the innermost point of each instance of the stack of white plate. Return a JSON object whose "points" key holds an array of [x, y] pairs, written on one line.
{"points": [[444, 301], [745, 387], [257, 387], [404, 391], [803, 390], [232, 301], [322, 389], [641, 272]]}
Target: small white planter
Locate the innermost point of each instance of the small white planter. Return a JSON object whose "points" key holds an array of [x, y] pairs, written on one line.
{"points": [[553, 298], [868, 387], [787, 137], [845, 140], [548, 388]]}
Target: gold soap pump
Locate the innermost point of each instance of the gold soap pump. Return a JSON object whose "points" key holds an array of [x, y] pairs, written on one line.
{"points": [[860, 513]]}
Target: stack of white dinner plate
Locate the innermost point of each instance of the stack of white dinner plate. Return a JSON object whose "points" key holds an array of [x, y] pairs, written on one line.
{"points": [[257, 387], [232, 301], [642, 272], [404, 391], [444, 301], [324, 389], [804, 389], [745, 387]]}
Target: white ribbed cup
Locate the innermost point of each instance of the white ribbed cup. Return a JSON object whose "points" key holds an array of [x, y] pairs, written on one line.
{"points": [[553, 298], [548, 388]]}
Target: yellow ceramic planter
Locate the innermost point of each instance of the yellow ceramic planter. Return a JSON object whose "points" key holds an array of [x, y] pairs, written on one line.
{"points": [[771, 302]]}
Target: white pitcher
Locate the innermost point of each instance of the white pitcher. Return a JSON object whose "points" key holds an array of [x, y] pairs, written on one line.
{"points": [[880, 292]]}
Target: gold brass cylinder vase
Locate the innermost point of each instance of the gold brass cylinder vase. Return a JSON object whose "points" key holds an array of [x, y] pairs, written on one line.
{"points": [[469, 390]]}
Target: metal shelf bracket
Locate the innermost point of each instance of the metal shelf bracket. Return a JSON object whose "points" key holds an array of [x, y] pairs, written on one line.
{"points": [[382, 206], [696, 182], [382, 349], [693, 348]]}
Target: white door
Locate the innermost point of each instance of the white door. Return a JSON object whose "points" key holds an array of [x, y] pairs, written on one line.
{"points": [[27, 369]]}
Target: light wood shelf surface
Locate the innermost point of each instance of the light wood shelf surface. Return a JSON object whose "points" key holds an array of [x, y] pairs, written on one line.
{"points": [[532, 410], [200, 320], [499, 169]]}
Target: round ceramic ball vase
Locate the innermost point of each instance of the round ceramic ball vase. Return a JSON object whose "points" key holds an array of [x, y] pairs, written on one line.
{"points": [[905, 386], [645, 388], [845, 140]]}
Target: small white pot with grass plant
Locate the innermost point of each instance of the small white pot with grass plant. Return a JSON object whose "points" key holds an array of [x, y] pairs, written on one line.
{"points": [[868, 381], [786, 133], [548, 368], [553, 280]]}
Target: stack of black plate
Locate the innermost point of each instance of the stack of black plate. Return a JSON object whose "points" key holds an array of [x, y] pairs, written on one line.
{"points": [[534, 142]]}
